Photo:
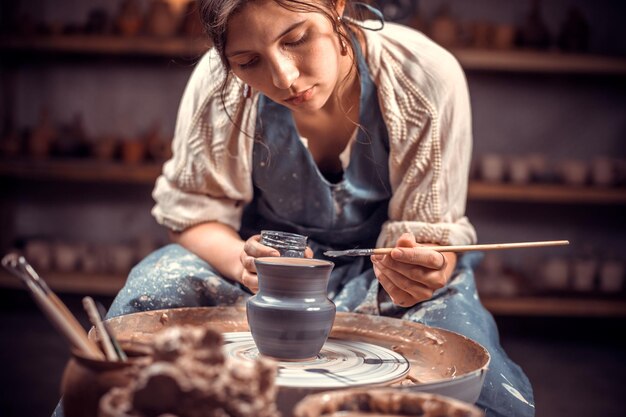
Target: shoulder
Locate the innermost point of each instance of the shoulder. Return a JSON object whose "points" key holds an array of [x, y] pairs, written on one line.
{"points": [[209, 90], [400, 51], [209, 73]]}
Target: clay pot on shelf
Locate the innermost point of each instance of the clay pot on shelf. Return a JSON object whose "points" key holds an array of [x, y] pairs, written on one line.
{"points": [[602, 171], [444, 30], [584, 274], [191, 25], [133, 151], [66, 257], [10, 142], [72, 138], [534, 32], [98, 22], [382, 402], [104, 148], [492, 168], [574, 33], [519, 170], [481, 34], [555, 273], [85, 380], [573, 172], [539, 167], [42, 137], [121, 258], [291, 316], [129, 19], [161, 20], [503, 36], [612, 276], [39, 253]]}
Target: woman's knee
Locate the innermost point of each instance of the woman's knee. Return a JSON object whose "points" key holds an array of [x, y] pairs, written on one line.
{"points": [[170, 277]]}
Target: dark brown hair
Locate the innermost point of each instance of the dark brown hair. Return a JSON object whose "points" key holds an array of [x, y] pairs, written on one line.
{"points": [[215, 15]]}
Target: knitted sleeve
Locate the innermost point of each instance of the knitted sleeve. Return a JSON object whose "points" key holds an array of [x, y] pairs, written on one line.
{"points": [[425, 102], [207, 178]]}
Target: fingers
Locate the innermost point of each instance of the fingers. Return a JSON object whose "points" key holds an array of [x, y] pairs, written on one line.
{"points": [[407, 240], [251, 281], [402, 290], [419, 256], [254, 248]]}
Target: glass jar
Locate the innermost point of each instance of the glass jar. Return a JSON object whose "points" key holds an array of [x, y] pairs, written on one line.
{"points": [[290, 245]]}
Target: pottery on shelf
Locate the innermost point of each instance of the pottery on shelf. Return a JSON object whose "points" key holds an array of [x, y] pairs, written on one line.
{"points": [[191, 24], [42, 137], [444, 30], [534, 32], [291, 315], [161, 20], [612, 276], [129, 18], [492, 168]]}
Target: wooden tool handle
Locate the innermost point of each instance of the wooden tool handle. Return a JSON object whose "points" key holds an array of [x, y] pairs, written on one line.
{"points": [[485, 247]]}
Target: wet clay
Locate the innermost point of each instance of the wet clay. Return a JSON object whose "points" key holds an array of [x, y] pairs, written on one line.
{"points": [[441, 361], [190, 377], [382, 403], [436, 355]]}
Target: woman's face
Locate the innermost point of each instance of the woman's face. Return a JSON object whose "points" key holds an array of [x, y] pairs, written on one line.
{"points": [[293, 58]]}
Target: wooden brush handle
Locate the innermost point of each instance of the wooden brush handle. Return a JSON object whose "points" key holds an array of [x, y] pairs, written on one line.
{"points": [[485, 247]]}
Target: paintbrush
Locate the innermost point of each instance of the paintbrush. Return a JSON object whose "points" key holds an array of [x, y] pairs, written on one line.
{"points": [[459, 248], [52, 306], [96, 320], [116, 345]]}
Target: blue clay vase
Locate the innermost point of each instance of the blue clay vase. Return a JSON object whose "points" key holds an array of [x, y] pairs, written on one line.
{"points": [[291, 315]]}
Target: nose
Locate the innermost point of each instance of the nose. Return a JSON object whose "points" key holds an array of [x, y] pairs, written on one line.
{"points": [[284, 72]]}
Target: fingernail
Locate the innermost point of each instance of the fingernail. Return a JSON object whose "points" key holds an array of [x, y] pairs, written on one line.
{"points": [[397, 254], [376, 258]]}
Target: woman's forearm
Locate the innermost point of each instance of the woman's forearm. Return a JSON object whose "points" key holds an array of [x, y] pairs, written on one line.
{"points": [[216, 243]]}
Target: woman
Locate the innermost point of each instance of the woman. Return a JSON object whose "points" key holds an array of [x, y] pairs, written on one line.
{"points": [[300, 120]]}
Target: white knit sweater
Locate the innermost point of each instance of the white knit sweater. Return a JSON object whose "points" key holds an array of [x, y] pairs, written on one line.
{"points": [[425, 105]]}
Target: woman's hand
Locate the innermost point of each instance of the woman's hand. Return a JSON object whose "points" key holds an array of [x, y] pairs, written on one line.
{"points": [[253, 249], [411, 273]]}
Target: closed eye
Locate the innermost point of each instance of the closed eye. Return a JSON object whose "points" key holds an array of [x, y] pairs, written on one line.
{"points": [[302, 39], [249, 64]]}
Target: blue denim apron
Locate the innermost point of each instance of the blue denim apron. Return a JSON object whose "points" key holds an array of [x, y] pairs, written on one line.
{"points": [[291, 194]]}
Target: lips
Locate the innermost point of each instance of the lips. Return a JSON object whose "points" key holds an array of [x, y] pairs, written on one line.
{"points": [[300, 97]]}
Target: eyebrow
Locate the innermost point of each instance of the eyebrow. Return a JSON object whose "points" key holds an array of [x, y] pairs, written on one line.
{"points": [[283, 33]]}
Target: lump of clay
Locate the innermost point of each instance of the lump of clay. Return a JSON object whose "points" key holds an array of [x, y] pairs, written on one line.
{"points": [[190, 377]]}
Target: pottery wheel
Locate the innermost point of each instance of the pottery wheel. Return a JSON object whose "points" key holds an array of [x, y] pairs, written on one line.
{"points": [[341, 363]]}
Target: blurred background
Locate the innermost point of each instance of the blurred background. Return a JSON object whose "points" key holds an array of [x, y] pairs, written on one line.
{"points": [[88, 100]]}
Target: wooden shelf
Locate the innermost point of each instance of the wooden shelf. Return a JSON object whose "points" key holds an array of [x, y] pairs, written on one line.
{"points": [[72, 283], [470, 59], [80, 170], [540, 62], [106, 45], [555, 307], [545, 193], [86, 170]]}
